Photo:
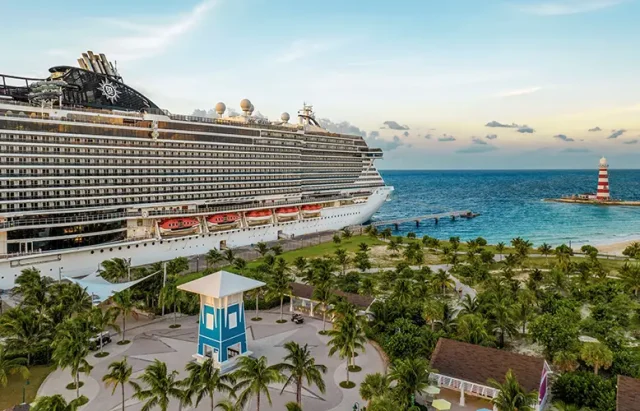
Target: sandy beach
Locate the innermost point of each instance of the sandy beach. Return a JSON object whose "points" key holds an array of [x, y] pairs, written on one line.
{"points": [[614, 248]]}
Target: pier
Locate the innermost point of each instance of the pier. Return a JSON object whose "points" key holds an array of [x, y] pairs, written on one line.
{"points": [[452, 215]]}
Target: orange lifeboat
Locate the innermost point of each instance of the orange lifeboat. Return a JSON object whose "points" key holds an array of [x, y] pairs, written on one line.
{"points": [[309, 210], [287, 212], [258, 216], [175, 226], [223, 220]]}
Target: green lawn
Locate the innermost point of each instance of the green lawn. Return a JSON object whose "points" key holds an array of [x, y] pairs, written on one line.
{"points": [[12, 394]]}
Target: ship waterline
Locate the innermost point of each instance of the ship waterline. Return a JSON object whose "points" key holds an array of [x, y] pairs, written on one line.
{"points": [[90, 169]]}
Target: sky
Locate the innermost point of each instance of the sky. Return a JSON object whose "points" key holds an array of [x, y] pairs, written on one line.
{"points": [[437, 84]]}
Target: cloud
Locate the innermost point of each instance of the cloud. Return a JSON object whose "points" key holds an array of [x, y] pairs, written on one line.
{"points": [[497, 124], [477, 140], [634, 141], [525, 129], [617, 133], [428, 136], [394, 125], [575, 150], [563, 7], [446, 138], [520, 92], [595, 129], [148, 40], [473, 149], [563, 138], [343, 127], [491, 136], [300, 49], [405, 134], [374, 134]]}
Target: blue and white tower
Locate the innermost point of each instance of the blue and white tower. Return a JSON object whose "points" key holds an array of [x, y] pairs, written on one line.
{"points": [[222, 333]]}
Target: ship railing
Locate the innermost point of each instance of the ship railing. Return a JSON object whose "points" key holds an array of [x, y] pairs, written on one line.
{"points": [[61, 220], [72, 107]]}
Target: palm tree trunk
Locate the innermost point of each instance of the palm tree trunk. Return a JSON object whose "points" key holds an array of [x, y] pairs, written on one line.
{"points": [[175, 310], [347, 371], [258, 403], [76, 379], [212, 402], [299, 392], [595, 369], [122, 385], [324, 317], [281, 307], [257, 296], [124, 325]]}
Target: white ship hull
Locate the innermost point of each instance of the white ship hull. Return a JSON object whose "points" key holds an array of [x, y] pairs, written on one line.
{"points": [[83, 261]]}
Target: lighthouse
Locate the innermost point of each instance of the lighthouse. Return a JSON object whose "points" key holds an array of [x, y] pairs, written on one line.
{"points": [[603, 181]]}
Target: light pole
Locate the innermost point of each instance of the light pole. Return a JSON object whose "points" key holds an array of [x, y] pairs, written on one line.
{"points": [[24, 389], [164, 281]]}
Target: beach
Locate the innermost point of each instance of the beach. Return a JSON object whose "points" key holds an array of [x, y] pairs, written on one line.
{"points": [[615, 248]]}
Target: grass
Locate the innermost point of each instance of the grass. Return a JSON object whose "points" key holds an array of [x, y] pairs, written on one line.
{"points": [[175, 326], [12, 394], [256, 319], [355, 368], [101, 354], [72, 386], [125, 342], [347, 384], [281, 321]]}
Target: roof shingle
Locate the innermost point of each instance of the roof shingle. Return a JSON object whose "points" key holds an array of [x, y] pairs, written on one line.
{"points": [[306, 291], [628, 396], [478, 364]]}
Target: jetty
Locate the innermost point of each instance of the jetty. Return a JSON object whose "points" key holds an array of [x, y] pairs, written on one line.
{"points": [[452, 215], [581, 200]]}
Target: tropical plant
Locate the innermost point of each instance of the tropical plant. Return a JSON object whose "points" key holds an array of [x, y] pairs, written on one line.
{"points": [[205, 380], [472, 328], [160, 387], [125, 307], [512, 396], [101, 319], [229, 255], [411, 376], [24, 332], [386, 233], [262, 248], [119, 374], [563, 253], [347, 338], [71, 347], [469, 305], [277, 249], [115, 269], [596, 355], [10, 366], [76, 299], [293, 406], [346, 233], [240, 264], [323, 293], [563, 406], [213, 257], [374, 385], [503, 321], [337, 239], [442, 281], [342, 258], [630, 275], [301, 264], [565, 361], [58, 403], [253, 377], [278, 287], [362, 261], [300, 365], [33, 288]]}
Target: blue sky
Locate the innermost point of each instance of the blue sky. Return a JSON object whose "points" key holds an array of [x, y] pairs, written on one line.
{"points": [[459, 83]]}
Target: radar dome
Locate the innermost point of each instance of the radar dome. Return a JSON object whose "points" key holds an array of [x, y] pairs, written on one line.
{"points": [[245, 105], [221, 108], [251, 109], [603, 161], [285, 117]]}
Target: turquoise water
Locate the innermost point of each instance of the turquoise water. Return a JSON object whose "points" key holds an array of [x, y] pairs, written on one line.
{"points": [[510, 204]]}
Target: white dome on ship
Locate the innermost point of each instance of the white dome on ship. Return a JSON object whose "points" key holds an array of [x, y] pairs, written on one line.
{"points": [[245, 104], [285, 117], [603, 161], [221, 108]]}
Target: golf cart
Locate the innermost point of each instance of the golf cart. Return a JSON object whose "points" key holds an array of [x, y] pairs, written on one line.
{"points": [[297, 318], [94, 342]]}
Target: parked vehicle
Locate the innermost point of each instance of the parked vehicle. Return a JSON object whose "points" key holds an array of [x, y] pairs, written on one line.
{"points": [[297, 318], [94, 342]]}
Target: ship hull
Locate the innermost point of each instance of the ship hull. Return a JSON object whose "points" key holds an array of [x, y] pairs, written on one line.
{"points": [[81, 262]]}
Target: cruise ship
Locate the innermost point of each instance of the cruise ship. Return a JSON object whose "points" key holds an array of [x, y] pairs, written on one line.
{"points": [[91, 169]]}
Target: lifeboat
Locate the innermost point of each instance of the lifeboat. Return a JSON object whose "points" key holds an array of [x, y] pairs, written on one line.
{"points": [[287, 212], [225, 220], [177, 226], [258, 216], [310, 210]]}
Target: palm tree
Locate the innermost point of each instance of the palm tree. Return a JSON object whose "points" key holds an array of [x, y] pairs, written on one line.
{"points": [[124, 306], [76, 299], [227, 405], [565, 361], [240, 264], [374, 385], [503, 322], [170, 295], [342, 258], [253, 378], [563, 254], [411, 376], [347, 338], [9, 366], [337, 239], [262, 248], [469, 305], [33, 288], [512, 396], [432, 311], [563, 406], [70, 348], [102, 319], [229, 255], [630, 275], [277, 249], [26, 334], [386, 233], [161, 387], [115, 269], [447, 321], [322, 293], [279, 286], [58, 403], [442, 281], [545, 249], [119, 374], [300, 365], [301, 264], [346, 233], [596, 355], [293, 406], [393, 246], [213, 257], [500, 249], [205, 380], [472, 328]]}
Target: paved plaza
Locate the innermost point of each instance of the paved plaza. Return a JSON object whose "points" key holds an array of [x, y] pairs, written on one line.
{"points": [[155, 340]]}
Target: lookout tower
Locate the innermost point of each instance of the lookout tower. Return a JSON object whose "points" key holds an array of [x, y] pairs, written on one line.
{"points": [[222, 333], [603, 181]]}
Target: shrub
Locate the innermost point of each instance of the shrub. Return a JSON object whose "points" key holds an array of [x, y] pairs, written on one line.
{"points": [[585, 389]]}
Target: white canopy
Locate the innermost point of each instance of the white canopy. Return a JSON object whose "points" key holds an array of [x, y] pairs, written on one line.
{"points": [[221, 284], [100, 289]]}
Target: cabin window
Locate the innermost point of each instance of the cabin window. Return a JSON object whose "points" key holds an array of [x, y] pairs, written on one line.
{"points": [[233, 320], [209, 321]]}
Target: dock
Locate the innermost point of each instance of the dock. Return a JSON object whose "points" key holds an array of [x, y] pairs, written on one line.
{"points": [[452, 215], [577, 200]]}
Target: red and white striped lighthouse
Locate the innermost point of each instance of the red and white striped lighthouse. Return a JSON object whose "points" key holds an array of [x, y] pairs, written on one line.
{"points": [[603, 180]]}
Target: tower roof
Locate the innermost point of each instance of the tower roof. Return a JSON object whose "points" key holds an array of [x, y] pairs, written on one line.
{"points": [[220, 284]]}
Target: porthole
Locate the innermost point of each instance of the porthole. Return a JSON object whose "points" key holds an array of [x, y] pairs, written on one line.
{"points": [[102, 251], [153, 243], [92, 251], [110, 249], [137, 245]]}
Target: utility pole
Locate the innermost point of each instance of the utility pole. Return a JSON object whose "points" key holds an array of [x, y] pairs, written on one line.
{"points": [[164, 281]]}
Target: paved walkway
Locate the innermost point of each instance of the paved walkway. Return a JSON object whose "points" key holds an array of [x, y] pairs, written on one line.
{"points": [[175, 347]]}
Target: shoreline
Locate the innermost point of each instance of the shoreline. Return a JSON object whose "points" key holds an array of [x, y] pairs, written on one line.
{"points": [[613, 248]]}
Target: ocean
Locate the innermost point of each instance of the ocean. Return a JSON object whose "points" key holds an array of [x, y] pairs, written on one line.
{"points": [[510, 204]]}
